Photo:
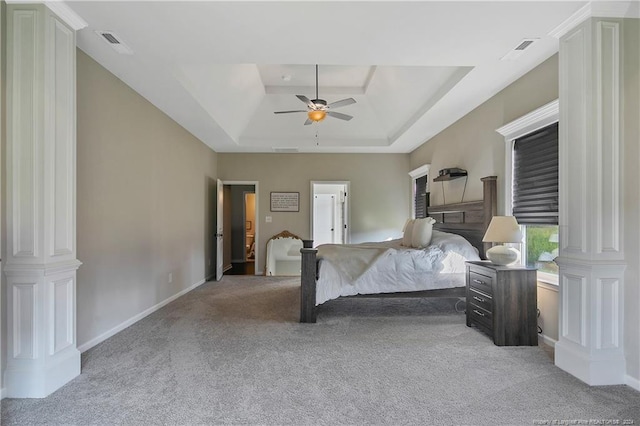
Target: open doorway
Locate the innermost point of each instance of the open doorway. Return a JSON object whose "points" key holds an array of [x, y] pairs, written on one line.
{"points": [[250, 227], [240, 228], [329, 212]]}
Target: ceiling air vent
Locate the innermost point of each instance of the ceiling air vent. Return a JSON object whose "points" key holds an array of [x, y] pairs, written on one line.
{"points": [[285, 150], [115, 42], [524, 45], [519, 49]]}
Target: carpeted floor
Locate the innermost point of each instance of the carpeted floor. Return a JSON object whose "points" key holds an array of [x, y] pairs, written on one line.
{"points": [[233, 353]]}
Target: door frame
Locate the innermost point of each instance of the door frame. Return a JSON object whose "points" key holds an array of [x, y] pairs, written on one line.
{"points": [[347, 213], [256, 237], [219, 232]]}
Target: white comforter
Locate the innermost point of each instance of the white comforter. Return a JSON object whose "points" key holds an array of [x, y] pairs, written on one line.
{"points": [[389, 267]]}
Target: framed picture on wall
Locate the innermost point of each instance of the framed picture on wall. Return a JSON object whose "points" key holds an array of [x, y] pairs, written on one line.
{"points": [[285, 201]]}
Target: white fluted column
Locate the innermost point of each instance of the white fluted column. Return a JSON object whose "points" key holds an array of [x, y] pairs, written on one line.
{"points": [[41, 263], [592, 258]]}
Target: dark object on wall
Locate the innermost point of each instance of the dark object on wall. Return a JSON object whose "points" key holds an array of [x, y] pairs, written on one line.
{"points": [[450, 173]]}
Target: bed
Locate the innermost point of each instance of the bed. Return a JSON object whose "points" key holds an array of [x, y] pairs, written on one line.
{"points": [[326, 280]]}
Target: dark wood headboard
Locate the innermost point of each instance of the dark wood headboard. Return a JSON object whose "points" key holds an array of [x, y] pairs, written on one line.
{"points": [[469, 219]]}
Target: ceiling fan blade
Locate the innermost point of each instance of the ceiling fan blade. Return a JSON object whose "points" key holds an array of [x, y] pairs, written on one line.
{"points": [[306, 100], [306, 123], [343, 102], [288, 112], [339, 115]]}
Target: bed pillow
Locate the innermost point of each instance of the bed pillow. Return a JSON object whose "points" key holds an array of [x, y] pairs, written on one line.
{"points": [[421, 232], [407, 236]]}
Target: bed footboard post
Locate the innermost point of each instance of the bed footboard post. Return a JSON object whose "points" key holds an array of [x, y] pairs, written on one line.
{"points": [[308, 284]]}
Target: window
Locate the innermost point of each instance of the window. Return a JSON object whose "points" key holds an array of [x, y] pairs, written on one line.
{"points": [[535, 198], [420, 191], [421, 201], [540, 249], [541, 236]]}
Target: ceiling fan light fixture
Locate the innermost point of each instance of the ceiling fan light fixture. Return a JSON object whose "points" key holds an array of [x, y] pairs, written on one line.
{"points": [[318, 109], [317, 115]]}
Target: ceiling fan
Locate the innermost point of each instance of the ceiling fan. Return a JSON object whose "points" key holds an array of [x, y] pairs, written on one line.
{"points": [[318, 109]]}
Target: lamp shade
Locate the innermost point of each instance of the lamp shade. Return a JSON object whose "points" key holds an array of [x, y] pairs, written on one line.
{"points": [[503, 229]]}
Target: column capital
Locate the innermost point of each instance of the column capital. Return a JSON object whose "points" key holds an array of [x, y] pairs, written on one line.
{"points": [[597, 9]]}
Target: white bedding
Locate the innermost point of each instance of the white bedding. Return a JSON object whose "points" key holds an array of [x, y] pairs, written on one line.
{"points": [[388, 267]]}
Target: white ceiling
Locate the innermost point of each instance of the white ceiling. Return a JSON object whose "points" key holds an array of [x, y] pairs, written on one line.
{"points": [[414, 68]]}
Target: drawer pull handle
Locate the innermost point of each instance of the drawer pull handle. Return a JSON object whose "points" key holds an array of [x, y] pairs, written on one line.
{"points": [[478, 312], [479, 299], [478, 281]]}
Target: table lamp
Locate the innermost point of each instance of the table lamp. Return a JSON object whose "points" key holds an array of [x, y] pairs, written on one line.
{"points": [[503, 229]]}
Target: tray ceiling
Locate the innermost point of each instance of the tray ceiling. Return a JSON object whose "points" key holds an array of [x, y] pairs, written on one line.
{"points": [[221, 69]]}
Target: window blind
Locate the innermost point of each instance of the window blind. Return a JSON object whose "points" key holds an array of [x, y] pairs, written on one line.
{"points": [[535, 177], [422, 197]]}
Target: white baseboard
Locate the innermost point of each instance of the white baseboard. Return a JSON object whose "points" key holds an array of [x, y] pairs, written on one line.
{"points": [[548, 340], [104, 336], [632, 381]]}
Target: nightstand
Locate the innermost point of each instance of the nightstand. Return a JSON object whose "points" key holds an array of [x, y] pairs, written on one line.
{"points": [[502, 301]]}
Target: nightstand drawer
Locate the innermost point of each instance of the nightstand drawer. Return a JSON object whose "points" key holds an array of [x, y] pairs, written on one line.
{"points": [[481, 283], [480, 299], [480, 315]]}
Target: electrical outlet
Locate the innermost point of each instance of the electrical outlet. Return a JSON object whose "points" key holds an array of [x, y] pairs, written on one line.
{"points": [[170, 277], [268, 219]]}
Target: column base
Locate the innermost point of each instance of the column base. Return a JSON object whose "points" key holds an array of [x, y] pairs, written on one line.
{"points": [[25, 380], [603, 368]]}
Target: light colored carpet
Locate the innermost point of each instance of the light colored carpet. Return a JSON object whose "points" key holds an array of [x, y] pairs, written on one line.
{"points": [[233, 353]]}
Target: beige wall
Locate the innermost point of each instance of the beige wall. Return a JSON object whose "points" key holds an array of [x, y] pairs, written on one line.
{"points": [[472, 143], [380, 190], [548, 306], [146, 198], [631, 152]]}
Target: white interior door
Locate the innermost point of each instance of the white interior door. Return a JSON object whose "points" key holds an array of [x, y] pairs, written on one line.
{"points": [[330, 212], [324, 231], [219, 232]]}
